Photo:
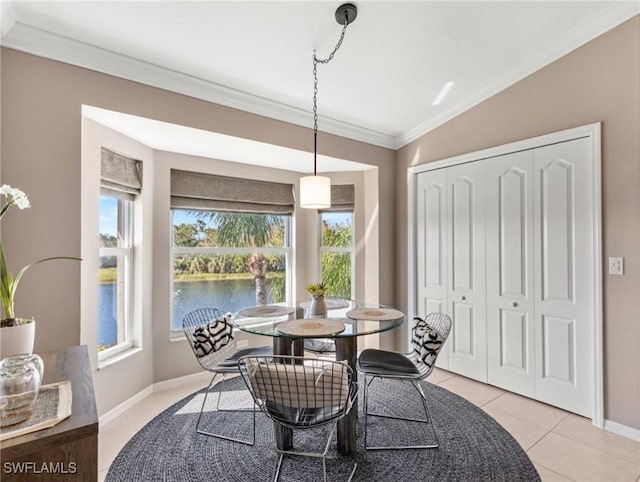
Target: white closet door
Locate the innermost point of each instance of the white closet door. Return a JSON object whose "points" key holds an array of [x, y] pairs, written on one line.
{"points": [[510, 285], [467, 294], [563, 179], [431, 245]]}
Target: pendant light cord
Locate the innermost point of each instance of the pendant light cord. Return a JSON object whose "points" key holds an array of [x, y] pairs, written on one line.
{"points": [[317, 61]]}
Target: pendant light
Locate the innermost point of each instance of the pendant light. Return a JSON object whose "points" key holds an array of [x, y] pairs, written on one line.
{"points": [[315, 191]]}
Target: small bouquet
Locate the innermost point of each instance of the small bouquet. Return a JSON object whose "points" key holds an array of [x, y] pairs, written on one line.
{"points": [[316, 289]]}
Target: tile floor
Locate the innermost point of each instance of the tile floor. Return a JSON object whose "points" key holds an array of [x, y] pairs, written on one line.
{"points": [[561, 445]]}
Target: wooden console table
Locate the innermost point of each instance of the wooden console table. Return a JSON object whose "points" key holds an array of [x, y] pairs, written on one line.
{"points": [[68, 450]]}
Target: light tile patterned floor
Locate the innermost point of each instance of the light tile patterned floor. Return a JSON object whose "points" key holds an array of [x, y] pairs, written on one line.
{"points": [[562, 446]]}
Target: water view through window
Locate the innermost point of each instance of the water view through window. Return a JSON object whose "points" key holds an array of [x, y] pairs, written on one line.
{"points": [[115, 253], [227, 261]]}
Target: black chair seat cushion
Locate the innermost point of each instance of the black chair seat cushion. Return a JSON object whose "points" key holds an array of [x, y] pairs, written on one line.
{"points": [[231, 363], [386, 363]]}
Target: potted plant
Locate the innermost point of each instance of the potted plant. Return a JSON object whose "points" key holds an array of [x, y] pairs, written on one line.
{"points": [[17, 334], [318, 305]]}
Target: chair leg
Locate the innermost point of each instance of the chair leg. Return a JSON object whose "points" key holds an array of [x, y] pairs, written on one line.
{"points": [[322, 455], [275, 479], [428, 420], [210, 434]]}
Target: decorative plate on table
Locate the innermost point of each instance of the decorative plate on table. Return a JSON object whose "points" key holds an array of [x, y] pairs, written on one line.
{"points": [[375, 314], [266, 310], [312, 327]]}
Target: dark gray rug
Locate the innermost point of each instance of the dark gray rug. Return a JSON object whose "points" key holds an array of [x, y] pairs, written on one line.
{"points": [[473, 447]]}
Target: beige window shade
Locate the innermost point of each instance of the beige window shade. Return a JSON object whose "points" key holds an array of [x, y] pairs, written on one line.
{"points": [[194, 190], [342, 198], [120, 176]]}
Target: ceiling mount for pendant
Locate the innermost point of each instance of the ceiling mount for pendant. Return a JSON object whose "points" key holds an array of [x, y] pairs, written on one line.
{"points": [[346, 13]]}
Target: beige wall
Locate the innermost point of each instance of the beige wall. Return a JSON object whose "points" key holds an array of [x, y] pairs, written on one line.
{"points": [[41, 154], [597, 82]]}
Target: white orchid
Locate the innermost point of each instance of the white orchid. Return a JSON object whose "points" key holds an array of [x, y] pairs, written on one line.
{"points": [[13, 196]]}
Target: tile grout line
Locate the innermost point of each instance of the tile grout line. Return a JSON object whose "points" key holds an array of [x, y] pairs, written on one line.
{"points": [[555, 472]]}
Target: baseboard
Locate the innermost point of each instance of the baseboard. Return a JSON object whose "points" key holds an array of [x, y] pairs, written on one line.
{"points": [[153, 388], [619, 429], [119, 409], [176, 382]]}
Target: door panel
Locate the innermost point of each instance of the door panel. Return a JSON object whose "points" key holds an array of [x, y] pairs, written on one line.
{"points": [[509, 225], [557, 212], [467, 294], [514, 341], [558, 350], [463, 336], [564, 270], [431, 244]]}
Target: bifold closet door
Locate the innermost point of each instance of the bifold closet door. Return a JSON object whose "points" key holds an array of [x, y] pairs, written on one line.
{"points": [[432, 223], [564, 274], [510, 284], [467, 295]]}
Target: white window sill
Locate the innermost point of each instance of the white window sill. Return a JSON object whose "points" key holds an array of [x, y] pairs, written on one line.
{"points": [[113, 359], [176, 336]]}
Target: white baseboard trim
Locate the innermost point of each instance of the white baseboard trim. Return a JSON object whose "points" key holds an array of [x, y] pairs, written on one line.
{"points": [[153, 388], [176, 382], [619, 429], [118, 410]]}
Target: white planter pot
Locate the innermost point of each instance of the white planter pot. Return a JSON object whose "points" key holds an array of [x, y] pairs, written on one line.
{"points": [[318, 306], [15, 340]]}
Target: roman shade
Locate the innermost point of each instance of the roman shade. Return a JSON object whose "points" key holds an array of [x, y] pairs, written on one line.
{"points": [[211, 192], [342, 198], [120, 176]]}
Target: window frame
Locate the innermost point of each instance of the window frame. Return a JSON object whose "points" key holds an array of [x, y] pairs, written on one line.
{"points": [[334, 249], [126, 228], [287, 250]]}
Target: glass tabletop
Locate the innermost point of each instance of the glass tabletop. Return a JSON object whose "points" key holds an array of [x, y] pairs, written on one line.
{"points": [[358, 318]]}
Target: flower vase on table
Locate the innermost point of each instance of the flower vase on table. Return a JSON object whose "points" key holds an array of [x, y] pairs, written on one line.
{"points": [[318, 306]]}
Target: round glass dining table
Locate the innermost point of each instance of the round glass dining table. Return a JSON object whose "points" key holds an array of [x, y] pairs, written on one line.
{"points": [[344, 322]]}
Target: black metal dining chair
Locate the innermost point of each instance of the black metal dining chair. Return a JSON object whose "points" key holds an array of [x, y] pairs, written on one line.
{"points": [[301, 393], [428, 337], [210, 335]]}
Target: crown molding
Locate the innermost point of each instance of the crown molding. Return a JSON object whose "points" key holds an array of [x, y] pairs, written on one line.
{"points": [[614, 16], [42, 43], [36, 41]]}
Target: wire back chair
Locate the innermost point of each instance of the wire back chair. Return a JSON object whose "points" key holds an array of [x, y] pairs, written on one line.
{"points": [[210, 335], [301, 393], [427, 338]]}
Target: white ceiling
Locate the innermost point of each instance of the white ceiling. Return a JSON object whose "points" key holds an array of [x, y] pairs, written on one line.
{"points": [[257, 56]]}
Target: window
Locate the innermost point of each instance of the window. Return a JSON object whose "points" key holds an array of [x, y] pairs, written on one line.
{"points": [[231, 246], [120, 184], [336, 241], [228, 260], [336, 252], [115, 327]]}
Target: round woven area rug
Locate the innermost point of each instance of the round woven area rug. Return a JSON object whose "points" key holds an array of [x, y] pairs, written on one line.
{"points": [[472, 446]]}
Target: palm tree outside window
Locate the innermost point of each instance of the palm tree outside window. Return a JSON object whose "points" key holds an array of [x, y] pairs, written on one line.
{"points": [[228, 260]]}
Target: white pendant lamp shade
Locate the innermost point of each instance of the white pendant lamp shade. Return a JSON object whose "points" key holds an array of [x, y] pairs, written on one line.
{"points": [[315, 192]]}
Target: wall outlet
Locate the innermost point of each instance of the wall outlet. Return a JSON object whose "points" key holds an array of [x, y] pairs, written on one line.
{"points": [[616, 265], [242, 343]]}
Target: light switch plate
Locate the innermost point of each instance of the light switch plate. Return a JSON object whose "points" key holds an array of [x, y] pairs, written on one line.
{"points": [[616, 265]]}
